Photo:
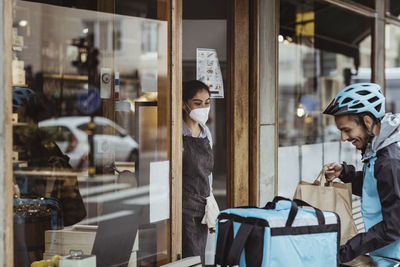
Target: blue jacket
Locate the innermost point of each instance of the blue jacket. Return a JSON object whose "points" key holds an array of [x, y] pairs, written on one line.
{"points": [[379, 186]]}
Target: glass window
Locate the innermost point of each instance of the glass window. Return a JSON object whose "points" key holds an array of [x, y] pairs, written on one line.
{"points": [[392, 68], [393, 7], [136, 8], [322, 48], [367, 3], [58, 133], [90, 154]]}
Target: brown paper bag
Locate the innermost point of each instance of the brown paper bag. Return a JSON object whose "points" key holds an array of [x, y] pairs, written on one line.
{"points": [[329, 196]]}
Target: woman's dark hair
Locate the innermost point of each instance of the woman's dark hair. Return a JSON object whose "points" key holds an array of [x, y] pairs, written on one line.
{"points": [[191, 88]]}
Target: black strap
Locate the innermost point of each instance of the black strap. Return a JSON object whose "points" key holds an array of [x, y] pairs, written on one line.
{"points": [[240, 219], [238, 244], [294, 209], [318, 212], [254, 249], [292, 214], [279, 198], [224, 239], [253, 244], [271, 205]]}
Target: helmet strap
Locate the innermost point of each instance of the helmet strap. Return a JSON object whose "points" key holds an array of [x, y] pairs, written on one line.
{"points": [[371, 133]]}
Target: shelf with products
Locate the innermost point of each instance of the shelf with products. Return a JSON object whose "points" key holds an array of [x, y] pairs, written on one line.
{"points": [[66, 76], [51, 173]]}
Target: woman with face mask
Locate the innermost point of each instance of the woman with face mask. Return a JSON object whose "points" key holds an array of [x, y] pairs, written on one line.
{"points": [[197, 164]]}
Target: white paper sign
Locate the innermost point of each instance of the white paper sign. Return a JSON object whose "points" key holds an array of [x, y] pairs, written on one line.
{"points": [[159, 191], [209, 71]]}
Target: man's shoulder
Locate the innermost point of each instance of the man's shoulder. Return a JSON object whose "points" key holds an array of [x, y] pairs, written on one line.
{"points": [[391, 151]]}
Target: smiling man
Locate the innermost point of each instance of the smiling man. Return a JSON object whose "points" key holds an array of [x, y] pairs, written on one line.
{"points": [[359, 111]]}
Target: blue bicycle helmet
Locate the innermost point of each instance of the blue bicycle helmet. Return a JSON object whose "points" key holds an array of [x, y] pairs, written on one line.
{"points": [[23, 97], [358, 98]]}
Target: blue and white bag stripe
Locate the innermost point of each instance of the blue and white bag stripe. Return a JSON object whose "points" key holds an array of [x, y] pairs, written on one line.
{"points": [[280, 234]]}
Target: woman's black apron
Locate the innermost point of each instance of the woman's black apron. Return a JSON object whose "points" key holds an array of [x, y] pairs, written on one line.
{"points": [[197, 164]]}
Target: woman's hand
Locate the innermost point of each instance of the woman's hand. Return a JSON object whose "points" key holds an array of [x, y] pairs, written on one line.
{"points": [[333, 171], [212, 230]]}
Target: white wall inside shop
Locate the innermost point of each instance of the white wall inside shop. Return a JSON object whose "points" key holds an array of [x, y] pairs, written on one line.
{"points": [[267, 84], [203, 34]]}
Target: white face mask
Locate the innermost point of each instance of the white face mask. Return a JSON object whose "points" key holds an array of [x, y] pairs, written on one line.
{"points": [[199, 115]]}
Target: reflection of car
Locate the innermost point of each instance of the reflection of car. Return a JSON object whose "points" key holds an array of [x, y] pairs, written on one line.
{"points": [[70, 135]]}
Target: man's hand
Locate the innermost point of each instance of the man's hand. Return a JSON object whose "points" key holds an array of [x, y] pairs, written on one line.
{"points": [[333, 170]]}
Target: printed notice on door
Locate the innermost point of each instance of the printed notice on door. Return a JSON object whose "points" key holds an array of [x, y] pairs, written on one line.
{"points": [[209, 71]]}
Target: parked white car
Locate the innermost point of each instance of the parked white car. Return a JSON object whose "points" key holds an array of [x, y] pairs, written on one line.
{"points": [[109, 139]]}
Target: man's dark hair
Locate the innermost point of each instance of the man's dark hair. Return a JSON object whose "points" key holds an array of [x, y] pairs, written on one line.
{"points": [[358, 117], [191, 88]]}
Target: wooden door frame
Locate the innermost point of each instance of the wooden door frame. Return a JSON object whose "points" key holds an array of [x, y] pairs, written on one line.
{"points": [[243, 131], [254, 104], [242, 104], [237, 114], [6, 174], [175, 70]]}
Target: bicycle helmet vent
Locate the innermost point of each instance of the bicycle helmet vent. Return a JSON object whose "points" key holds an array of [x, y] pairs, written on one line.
{"points": [[358, 98]]}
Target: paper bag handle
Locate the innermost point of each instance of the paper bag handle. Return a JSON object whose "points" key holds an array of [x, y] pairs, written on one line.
{"points": [[321, 177]]}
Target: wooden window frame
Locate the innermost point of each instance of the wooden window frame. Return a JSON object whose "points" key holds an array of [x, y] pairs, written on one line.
{"points": [[175, 50], [6, 176]]}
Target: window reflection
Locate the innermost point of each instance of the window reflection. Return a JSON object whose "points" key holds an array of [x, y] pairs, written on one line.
{"points": [[90, 166], [392, 69], [322, 49], [136, 8], [393, 7]]}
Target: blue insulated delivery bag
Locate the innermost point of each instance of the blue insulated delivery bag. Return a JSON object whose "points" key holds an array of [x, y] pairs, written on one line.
{"points": [[279, 235]]}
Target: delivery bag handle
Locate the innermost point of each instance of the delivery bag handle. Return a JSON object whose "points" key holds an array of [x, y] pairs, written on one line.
{"points": [[294, 209], [223, 241], [238, 244], [299, 202], [229, 247], [271, 205]]}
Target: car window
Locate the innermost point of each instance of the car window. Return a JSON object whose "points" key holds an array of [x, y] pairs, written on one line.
{"points": [[57, 133], [101, 129], [107, 129], [83, 127]]}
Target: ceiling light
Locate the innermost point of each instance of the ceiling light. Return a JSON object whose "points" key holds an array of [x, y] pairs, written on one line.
{"points": [[23, 23]]}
